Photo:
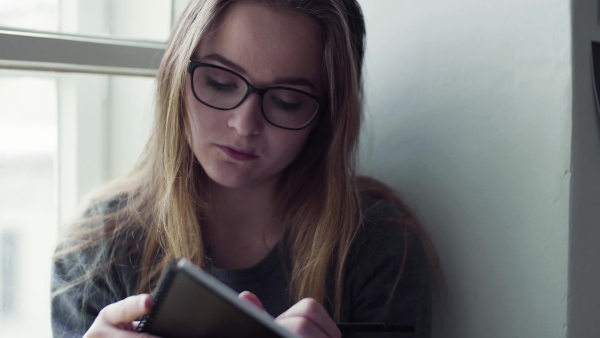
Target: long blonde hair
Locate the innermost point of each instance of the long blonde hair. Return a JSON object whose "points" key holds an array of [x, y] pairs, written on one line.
{"points": [[320, 192]]}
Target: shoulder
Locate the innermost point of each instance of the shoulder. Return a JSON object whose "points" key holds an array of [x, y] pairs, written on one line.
{"points": [[390, 242], [108, 221], [385, 226], [387, 271], [96, 242], [383, 213], [99, 208], [95, 232]]}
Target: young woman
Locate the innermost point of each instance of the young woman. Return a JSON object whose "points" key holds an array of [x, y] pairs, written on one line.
{"points": [[250, 174]]}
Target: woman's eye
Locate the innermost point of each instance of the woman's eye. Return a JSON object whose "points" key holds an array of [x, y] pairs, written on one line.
{"points": [[220, 85], [285, 105]]}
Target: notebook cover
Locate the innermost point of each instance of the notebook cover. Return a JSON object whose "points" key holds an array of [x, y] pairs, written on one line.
{"points": [[190, 303]]}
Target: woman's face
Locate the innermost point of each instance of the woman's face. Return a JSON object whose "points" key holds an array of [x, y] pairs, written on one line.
{"points": [[238, 148]]}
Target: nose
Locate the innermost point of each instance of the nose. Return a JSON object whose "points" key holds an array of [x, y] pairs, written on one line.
{"points": [[247, 119]]}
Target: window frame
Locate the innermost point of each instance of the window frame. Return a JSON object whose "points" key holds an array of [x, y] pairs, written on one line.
{"points": [[26, 50], [35, 53], [68, 53]]}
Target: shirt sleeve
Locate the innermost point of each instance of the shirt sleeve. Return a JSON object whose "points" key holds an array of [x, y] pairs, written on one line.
{"points": [[87, 279], [74, 310], [374, 290]]}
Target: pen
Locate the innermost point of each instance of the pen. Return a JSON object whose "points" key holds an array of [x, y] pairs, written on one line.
{"points": [[374, 327]]}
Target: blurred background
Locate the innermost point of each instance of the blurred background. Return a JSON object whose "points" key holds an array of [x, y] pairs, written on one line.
{"points": [[64, 133]]}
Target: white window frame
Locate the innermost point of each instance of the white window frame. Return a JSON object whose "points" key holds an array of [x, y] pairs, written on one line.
{"points": [[27, 50], [69, 53], [79, 168]]}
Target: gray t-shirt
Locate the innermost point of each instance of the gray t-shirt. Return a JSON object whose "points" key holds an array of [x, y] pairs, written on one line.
{"points": [[371, 272]]}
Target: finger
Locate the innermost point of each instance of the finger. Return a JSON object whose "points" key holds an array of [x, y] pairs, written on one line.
{"points": [[302, 327], [112, 332], [126, 310], [314, 313], [252, 298]]}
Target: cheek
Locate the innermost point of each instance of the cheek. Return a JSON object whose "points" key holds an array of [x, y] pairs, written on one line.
{"points": [[200, 119], [189, 116], [197, 119], [294, 145], [197, 135], [193, 127]]}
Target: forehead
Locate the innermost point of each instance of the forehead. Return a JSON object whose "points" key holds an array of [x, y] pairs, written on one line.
{"points": [[266, 43]]}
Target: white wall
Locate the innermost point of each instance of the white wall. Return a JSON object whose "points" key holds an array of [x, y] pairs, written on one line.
{"points": [[469, 116]]}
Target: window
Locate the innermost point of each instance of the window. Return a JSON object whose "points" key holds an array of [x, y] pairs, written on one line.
{"points": [[146, 20], [77, 98]]}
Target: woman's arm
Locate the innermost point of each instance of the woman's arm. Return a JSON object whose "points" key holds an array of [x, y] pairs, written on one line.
{"points": [[84, 282], [87, 278], [75, 306]]}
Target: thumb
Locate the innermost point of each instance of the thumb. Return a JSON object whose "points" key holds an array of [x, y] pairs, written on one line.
{"points": [[251, 298]]}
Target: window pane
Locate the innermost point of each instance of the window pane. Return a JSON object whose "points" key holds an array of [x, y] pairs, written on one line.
{"points": [[27, 209], [148, 20], [104, 122], [30, 14]]}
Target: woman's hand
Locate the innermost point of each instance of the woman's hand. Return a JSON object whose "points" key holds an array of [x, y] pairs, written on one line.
{"points": [[117, 319], [306, 318]]}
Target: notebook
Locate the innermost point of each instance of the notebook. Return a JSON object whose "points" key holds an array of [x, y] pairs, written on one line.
{"points": [[189, 302]]}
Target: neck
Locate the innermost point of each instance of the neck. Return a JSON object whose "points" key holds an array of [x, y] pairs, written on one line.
{"points": [[233, 208], [242, 217]]}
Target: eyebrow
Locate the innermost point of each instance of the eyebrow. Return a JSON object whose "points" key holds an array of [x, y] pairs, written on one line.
{"points": [[298, 81]]}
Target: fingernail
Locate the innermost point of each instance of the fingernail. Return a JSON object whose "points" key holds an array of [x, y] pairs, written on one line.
{"points": [[148, 302]]}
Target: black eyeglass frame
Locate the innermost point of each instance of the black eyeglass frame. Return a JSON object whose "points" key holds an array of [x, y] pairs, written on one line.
{"points": [[192, 65]]}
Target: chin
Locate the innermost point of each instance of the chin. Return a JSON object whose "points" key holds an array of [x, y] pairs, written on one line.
{"points": [[231, 184], [229, 181], [239, 180]]}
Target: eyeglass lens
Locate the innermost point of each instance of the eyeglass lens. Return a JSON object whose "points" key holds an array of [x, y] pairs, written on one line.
{"points": [[224, 90]]}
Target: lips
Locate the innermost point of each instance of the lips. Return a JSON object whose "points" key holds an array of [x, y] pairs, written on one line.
{"points": [[238, 154]]}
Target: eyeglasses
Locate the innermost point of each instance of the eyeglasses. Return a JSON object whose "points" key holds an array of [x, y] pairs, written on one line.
{"points": [[223, 89]]}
